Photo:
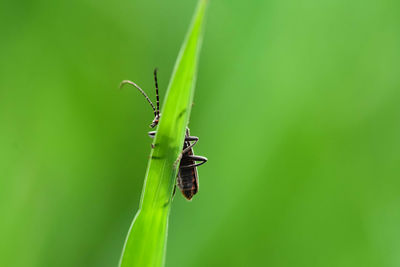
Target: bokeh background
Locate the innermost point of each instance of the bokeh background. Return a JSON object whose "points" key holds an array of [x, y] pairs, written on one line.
{"points": [[297, 107]]}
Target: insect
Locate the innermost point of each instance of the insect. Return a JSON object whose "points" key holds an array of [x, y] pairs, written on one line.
{"points": [[187, 179]]}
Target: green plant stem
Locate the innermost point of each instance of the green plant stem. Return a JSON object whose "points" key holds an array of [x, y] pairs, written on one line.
{"points": [[145, 244]]}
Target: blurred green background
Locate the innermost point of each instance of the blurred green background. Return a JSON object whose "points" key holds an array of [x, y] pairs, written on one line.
{"points": [[297, 107]]}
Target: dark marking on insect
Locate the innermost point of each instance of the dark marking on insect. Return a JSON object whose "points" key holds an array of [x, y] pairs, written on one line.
{"points": [[187, 180]]}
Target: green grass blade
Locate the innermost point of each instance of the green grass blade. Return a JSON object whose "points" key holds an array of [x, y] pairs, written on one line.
{"points": [[146, 241]]}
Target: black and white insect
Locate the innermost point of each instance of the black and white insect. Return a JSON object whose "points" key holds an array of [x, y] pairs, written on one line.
{"points": [[187, 180]]}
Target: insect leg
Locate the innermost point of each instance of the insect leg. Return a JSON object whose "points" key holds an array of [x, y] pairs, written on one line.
{"points": [[191, 138], [152, 134], [195, 158], [177, 160], [188, 139]]}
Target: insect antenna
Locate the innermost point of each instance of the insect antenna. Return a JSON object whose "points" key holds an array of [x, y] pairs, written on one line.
{"points": [[143, 93], [158, 99]]}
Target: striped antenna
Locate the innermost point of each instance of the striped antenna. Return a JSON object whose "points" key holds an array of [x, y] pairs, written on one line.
{"points": [[158, 99], [143, 93]]}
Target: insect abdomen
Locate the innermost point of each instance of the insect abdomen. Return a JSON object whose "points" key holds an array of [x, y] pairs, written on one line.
{"points": [[187, 177]]}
